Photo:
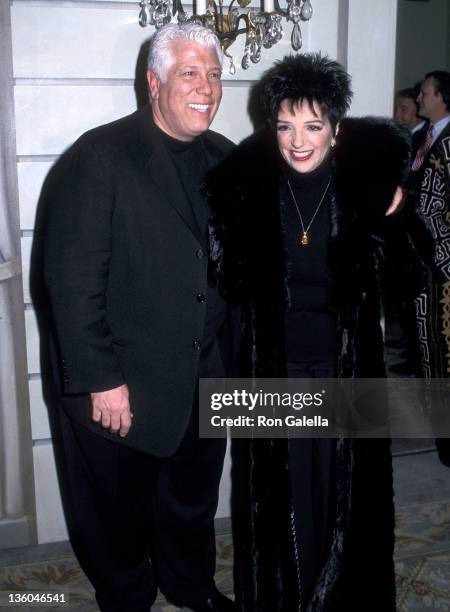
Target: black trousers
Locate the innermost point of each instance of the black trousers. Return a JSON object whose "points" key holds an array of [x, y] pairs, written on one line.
{"points": [[310, 468], [138, 522]]}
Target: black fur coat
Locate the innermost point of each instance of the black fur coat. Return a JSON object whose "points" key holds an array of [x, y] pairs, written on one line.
{"points": [[246, 241]]}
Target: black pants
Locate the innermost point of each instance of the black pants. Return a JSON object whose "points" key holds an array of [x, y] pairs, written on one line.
{"points": [[138, 522], [310, 468]]}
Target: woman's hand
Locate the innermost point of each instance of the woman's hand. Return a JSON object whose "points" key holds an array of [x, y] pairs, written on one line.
{"points": [[397, 200]]}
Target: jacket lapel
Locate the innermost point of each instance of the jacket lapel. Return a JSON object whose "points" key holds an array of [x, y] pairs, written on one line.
{"points": [[163, 173]]}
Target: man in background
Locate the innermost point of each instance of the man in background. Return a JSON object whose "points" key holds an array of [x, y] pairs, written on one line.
{"points": [[431, 193], [406, 111]]}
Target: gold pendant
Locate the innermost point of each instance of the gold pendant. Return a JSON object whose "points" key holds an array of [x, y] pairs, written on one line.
{"points": [[304, 240]]}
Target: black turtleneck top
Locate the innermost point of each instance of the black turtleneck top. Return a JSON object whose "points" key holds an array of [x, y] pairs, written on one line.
{"points": [[192, 160], [309, 324]]}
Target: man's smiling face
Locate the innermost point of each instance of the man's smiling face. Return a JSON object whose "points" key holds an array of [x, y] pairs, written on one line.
{"points": [[185, 101]]}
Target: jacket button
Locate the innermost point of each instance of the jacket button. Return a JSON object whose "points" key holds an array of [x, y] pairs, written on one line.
{"points": [[197, 345], [201, 298], [200, 253]]}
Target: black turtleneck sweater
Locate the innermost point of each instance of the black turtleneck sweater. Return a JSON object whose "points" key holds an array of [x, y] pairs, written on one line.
{"points": [[192, 160], [309, 325]]}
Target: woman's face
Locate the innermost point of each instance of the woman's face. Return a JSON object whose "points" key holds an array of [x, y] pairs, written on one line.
{"points": [[304, 137]]}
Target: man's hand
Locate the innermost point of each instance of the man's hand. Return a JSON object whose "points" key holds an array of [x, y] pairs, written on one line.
{"points": [[112, 410]]}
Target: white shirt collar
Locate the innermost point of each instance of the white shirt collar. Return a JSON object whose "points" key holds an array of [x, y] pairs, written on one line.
{"points": [[439, 127]]}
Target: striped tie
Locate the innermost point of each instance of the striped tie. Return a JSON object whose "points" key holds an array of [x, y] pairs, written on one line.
{"points": [[424, 148]]}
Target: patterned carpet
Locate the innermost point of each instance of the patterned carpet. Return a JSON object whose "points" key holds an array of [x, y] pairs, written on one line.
{"points": [[62, 574], [422, 567], [423, 557]]}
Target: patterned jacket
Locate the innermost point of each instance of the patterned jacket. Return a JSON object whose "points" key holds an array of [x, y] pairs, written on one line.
{"points": [[432, 203]]}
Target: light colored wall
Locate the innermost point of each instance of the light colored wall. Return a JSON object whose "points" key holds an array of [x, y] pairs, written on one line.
{"points": [[17, 499], [371, 53], [74, 66], [423, 40]]}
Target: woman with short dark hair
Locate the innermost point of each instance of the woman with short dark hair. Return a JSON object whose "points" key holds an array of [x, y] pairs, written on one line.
{"points": [[295, 238]]}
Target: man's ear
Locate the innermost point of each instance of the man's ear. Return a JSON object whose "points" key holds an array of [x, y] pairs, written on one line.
{"points": [[153, 81]]}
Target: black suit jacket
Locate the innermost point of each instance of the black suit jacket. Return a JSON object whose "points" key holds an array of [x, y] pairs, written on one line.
{"points": [[124, 263]]}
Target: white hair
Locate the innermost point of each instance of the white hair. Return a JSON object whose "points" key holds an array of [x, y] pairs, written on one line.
{"points": [[159, 56]]}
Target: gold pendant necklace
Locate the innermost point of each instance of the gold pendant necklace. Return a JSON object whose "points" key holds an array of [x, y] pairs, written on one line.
{"points": [[304, 239]]}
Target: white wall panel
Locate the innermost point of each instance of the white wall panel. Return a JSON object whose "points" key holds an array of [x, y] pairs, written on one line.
{"points": [[31, 176], [105, 42], [40, 427], [31, 329], [232, 119], [51, 525], [26, 245], [50, 118], [323, 28], [371, 55]]}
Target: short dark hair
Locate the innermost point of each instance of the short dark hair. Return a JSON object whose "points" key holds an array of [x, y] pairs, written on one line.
{"points": [[307, 76], [409, 92], [442, 81]]}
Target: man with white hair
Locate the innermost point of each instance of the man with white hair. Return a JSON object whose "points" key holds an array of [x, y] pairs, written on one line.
{"points": [[135, 325]]}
